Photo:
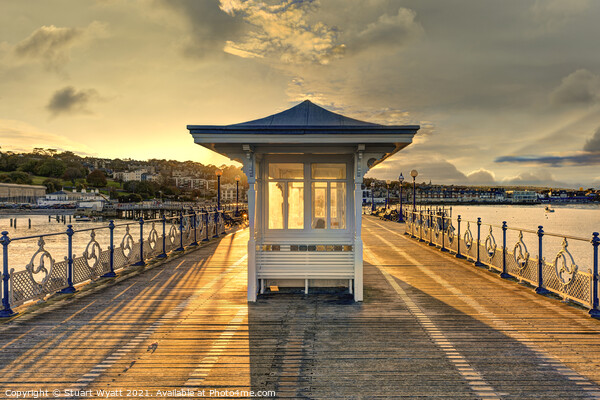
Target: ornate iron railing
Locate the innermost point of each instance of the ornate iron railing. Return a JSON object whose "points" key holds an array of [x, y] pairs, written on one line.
{"points": [[516, 253], [126, 244]]}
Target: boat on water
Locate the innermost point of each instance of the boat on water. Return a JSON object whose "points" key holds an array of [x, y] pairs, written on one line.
{"points": [[83, 218], [549, 209]]}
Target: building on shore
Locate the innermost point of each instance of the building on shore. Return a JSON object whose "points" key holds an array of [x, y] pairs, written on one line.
{"points": [[17, 193], [88, 200]]}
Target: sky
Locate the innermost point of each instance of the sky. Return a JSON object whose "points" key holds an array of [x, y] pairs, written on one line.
{"points": [[506, 92]]}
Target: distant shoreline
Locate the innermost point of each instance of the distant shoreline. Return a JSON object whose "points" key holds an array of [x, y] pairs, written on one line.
{"points": [[36, 211]]}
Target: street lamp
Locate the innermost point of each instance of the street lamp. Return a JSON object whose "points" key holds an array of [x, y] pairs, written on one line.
{"points": [[400, 179], [218, 173], [414, 174], [372, 197], [387, 198], [237, 193]]}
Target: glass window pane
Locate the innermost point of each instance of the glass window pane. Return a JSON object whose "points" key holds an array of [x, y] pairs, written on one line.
{"points": [[338, 205], [286, 171], [329, 171], [276, 205], [295, 205], [319, 205]]}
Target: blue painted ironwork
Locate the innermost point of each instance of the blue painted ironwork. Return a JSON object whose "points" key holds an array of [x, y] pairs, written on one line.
{"points": [[180, 248], [216, 224], [372, 197], [205, 225], [141, 260], [594, 310], [504, 274], [195, 227], [421, 226], [429, 228], [400, 216], [111, 250], [70, 288], [164, 238], [6, 311], [540, 283], [443, 218], [562, 277], [566, 272], [458, 255], [478, 244]]}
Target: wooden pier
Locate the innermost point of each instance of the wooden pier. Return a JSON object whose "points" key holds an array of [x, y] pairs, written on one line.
{"points": [[430, 326]]}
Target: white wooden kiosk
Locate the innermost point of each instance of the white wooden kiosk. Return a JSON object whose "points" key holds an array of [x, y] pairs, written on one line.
{"points": [[305, 167]]}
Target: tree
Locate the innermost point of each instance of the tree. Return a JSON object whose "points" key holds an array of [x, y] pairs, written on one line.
{"points": [[52, 185], [96, 178], [20, 177], [72, 174], [51, 167]]}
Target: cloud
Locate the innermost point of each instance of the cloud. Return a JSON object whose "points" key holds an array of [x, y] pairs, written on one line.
{"points": [[20, 136], [555, 14], [389, 31], [69, 100], [592, 145], [579, 87], [590, 155], [481, 177], [535, 178], [51, 44], [208, 25], [282, 32]]}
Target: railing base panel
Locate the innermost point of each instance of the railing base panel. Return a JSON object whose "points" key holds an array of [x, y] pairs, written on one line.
{"points": [[68, 290], [541, 290], [504, 275], [8, 313], [594, 313], [109, 275]]}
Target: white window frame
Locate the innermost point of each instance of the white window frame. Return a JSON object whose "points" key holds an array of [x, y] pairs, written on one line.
{"points": [[307, 234]]}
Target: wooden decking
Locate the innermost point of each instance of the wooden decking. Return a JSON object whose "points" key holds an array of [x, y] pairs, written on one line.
{"points": [[431, 326]]}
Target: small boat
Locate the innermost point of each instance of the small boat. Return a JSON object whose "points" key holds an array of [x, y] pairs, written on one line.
{"points": [[82, 218], [549, 209]]}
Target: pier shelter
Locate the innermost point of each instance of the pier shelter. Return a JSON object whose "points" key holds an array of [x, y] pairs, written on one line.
{"points": [[305, 168]]}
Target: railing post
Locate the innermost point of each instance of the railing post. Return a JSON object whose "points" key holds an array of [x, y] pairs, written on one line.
{"points": [[164, 238], [444, 249], [504, 274], [180, 232], [223, 220], [195, 219], [216, 224], [205, 226], [111, 251], [430, 229], [6, 311], [421, 226], [478, 262], [594, 312], [458, 255], [141, 262], [70, 288], [540, 287]]}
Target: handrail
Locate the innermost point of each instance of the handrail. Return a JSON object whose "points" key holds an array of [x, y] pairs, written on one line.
{"points": [[560, 274], [43, 275]]}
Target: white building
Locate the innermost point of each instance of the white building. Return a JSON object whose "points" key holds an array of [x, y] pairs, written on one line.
{"points": [[524, 196], [189, 182], [127, 176], [305, 168]]}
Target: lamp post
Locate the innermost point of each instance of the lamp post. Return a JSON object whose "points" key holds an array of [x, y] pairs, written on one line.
{"points": [[237, 194], [372, 197], [400, 179], [218, 173], [414, 175], [387, 197]]}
